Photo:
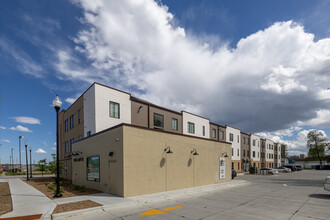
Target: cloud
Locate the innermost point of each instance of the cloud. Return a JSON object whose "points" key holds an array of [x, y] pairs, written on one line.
{"points": [[70, 100], [322, 120], [53, 148], [5, 140], [271, 80], [1, 127], [20, 128], [41, 151], [27, 120]]}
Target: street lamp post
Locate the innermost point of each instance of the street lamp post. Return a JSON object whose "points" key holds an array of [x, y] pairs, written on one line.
{"points": [[20, 162], [57, 104], [27, 165], [30, 163], [12, 160]]}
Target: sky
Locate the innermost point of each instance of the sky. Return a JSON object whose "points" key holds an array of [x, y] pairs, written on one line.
{"points": [[261, 66]]}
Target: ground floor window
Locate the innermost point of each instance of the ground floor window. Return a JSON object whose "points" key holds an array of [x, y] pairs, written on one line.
{"points": [[93, 168]]}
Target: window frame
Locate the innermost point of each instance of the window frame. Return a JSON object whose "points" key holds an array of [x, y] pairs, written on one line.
{"points": [[231, 137], [190, 126], [114, 110], [214, 133], [162, 121], [176, 123]]}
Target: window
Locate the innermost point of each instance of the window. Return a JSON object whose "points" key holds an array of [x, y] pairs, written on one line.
{"points": [[258, 154], [258, 143], [114, 110], [71, 142], [254, 142], [243, 153], [237, 152], [66, 125], [237, 138], [232, 152], [79, 116], [243, 140], [214, 133], [71, 122], [222, 135], [232, 165], [79, 138], [203, 130], [88, 133], [254, 154], [231, 137], [174, 124], [158, 120], [191, 128], [67, 147], [248, 153], [248, 140], [93, 169]]}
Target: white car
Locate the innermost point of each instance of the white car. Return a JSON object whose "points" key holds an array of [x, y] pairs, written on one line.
{"points": [[283, 169], [327, 183], [269, 171]]}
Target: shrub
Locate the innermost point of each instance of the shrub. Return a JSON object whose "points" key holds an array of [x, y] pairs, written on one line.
{"points": [[82, 189], [75, 187], [51, 187], [46, 183], [61, 190]]}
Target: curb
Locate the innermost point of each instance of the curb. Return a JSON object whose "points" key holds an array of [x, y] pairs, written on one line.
{"points": [[71, 213]]}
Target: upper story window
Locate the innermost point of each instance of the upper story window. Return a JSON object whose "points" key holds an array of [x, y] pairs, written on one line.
{"points": [[66, 125], [243, 153], [243, 140], [258, 143], [67, 147], [79, 116], [71, 142], [158, 120], [258, 154], [191, 128], [71, 122], [237, 152], [248, 140], [174, 124], [237, 138], [203, 130], [253, 154], [231, 137], [222, 135], [254, 142], [114, 110], [214, 133]]}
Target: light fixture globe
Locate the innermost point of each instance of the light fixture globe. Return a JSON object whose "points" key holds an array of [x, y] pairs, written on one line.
{"points": [[25, 143], [30, 148], [57, 102]]}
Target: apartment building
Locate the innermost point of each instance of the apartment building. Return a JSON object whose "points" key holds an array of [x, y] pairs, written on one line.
{"points": [[269, 153], [255, 145], [277, 155], [233, 136], [245, 152]]}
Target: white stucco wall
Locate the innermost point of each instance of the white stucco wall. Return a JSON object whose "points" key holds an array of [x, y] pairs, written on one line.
{"points": [[255, 148], [236, 143], [89, 111], [269, 151], [199, 123], [103, 96]]}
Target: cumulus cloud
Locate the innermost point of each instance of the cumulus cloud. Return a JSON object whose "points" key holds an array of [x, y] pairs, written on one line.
{"points": [[269, 81], [5, 140], [3, 128], [20, 128], [27, 120], [322, 119], [70, 100], [40, 151]]}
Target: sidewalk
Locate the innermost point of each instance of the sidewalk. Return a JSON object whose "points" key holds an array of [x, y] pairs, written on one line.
{"points": [[29, 201]]}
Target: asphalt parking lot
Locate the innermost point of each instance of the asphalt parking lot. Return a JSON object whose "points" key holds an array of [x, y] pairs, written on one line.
{"points": [[298, 195]]}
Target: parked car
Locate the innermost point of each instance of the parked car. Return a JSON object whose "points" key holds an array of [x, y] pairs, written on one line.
{"points": [[299, 167], [233, 173], [269, 171], [283, 169], [327, 183], [292, 167]]}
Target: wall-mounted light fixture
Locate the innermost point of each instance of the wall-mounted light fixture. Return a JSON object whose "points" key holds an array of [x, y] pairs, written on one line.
{"points": [[168, 150], [138, 111], [225, 154], [111, 154], [117, 139], [194, 152], [76, 153]]}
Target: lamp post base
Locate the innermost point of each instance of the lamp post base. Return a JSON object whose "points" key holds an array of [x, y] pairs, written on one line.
{"points": [[57, 195]]}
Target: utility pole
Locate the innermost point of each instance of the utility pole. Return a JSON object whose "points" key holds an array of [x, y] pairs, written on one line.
{"points": [[20, 162]]}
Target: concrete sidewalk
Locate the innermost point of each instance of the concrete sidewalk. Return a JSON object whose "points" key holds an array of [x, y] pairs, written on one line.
{"points": [[29, 201]]}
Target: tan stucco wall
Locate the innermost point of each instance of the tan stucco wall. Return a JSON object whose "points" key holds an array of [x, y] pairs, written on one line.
{"points": [[111, 168], [139, 114], [168, 115], [148, 169]]}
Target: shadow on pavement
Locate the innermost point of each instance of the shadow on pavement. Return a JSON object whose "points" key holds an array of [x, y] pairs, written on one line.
{"points": [[320, 196]]}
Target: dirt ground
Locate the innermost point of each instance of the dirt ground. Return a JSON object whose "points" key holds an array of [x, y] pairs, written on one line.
{"points": [[72, 206], [5, 199], [40, 184]]}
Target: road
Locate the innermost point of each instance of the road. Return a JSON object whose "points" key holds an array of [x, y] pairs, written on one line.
{"points": [[298, 195]]}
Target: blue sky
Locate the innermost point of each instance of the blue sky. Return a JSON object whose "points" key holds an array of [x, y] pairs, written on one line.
{"points": [[262, 66]]}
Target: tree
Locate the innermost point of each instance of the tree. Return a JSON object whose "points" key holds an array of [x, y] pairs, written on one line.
{"points": [[42, 164], [284, 151], [52, 165], [317, 144]]}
